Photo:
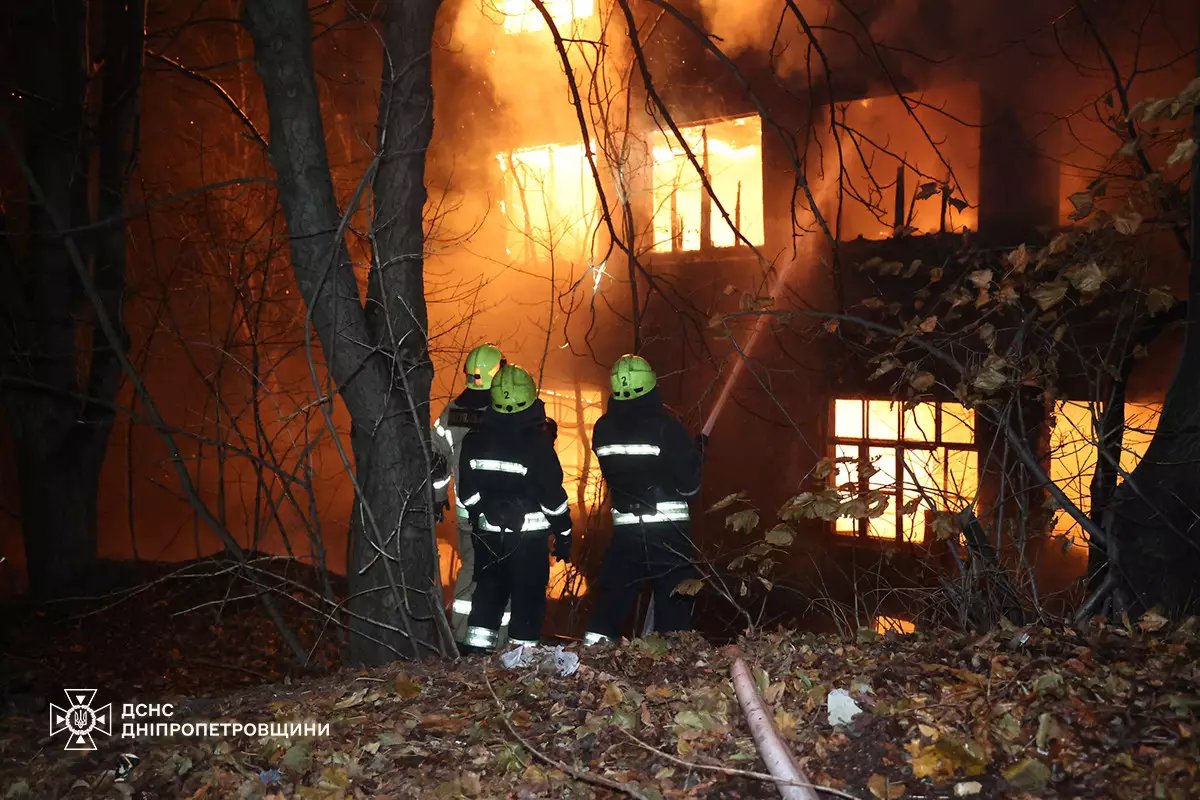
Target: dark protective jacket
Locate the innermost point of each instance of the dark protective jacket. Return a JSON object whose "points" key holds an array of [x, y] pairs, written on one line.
{"points": [[509, 475], [646, 456], [463, 414]]}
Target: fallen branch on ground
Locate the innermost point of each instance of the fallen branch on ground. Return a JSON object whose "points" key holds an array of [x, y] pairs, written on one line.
{"points": [[791, 782], [733, 771], [577, 774]]}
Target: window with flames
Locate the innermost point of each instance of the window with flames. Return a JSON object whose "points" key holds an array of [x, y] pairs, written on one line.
{"points": [[1073, 454], [522, 16], [923, 458], [550, 204], [684, 214]]}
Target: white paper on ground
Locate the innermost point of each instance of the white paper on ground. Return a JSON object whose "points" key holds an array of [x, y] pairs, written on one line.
{"points": [[842, 707], [554, 659]]}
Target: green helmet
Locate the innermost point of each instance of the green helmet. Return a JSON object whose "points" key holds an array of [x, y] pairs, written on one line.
{"points": [[632, 376], [482, 364], [513, 390]]}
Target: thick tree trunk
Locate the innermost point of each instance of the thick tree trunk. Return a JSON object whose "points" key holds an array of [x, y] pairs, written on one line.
{"points": [[1155, 524], [61, 424], [378, 360], [397, 485]]}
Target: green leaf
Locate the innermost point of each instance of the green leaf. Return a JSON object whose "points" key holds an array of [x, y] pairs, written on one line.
{"points": [[742, 521], [624, 718], [297, 758], [1049, 683], [1029, 775], [781, 535], [653, 645], [18, 790]]}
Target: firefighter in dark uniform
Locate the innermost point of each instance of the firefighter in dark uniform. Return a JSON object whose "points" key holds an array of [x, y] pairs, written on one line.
{"points": [[510, 484], [652, 469], [463, 414]]}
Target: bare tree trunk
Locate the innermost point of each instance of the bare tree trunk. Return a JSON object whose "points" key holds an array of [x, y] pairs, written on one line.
{"points": [[61, 423], [377, 358], [1156, 513], [396, 487]]}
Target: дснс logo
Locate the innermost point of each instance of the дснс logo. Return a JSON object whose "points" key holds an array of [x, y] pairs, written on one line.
{"points": [[79, 719]]}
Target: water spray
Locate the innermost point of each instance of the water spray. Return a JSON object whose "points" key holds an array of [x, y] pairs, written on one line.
{"points": [[739, 365]]}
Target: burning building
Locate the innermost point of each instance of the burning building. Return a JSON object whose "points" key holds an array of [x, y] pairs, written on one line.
{"points": [[605, 178]]}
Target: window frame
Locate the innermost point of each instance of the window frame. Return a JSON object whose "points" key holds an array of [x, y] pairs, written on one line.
{"points": [[531, 249], [899, 446], [708, 209]]}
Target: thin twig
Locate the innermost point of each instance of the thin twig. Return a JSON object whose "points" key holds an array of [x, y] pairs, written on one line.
{"points": [[577, 774], [733, 771]]}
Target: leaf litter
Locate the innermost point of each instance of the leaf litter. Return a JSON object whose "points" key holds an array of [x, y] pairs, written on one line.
{"points": [[1108, 711]]}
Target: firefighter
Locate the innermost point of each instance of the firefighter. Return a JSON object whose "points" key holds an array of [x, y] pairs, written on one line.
{"points": [[510, 484], [652, 469], [462, 415]]}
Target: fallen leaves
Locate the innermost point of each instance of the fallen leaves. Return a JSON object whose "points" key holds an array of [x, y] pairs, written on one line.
{"points": [[1028, 775], [883, 789], [1049, 294], [946, 716]]}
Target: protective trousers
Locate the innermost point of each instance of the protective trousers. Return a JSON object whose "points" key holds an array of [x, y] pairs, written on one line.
{"points": [[464, 583], [660, 552], [509, 566]]}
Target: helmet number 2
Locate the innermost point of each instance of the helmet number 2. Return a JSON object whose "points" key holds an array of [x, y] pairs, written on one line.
{"points": [[507, 396]]}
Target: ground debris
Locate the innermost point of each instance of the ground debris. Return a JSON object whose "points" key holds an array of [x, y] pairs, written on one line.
{"points": [[1104, 712]]}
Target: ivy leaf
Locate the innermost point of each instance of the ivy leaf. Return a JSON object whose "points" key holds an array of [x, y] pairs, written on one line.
{"points": [[1159, 300], [885, 366], [1087, 280], [727, 501], [922, 381], [823, 469], [1083, 202], [1128, 224], [1019, 258], [945, 525], [1059, 244], [992, 375], [688, 587], [1048, 295], [1184, 151], [742, 521], [781, 535]]}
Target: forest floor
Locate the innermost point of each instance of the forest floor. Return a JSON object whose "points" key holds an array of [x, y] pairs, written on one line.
{"points": [[1110, 711]]}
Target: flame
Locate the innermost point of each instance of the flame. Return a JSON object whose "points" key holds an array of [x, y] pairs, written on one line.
{"points": [[1073, 454], [550, 203], [898, 624], [730, 151], [882, 138], [575, 410], [521, 16], [921, 457]]}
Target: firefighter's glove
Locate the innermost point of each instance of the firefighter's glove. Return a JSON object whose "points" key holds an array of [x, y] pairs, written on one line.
{"points": [[562, 547], [551, 429], [701, 442]]}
